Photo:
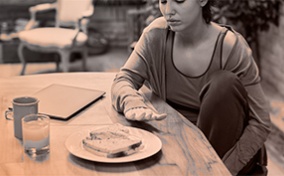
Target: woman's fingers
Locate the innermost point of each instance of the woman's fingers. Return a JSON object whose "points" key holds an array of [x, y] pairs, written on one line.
{"points": [[130, 115], [135, 114], [144, 114], [160, 116], [140, 115]]}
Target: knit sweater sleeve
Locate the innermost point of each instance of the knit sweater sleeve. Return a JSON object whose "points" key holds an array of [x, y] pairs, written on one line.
{"points": [[138, 69], [241, 62], [128, 81]]}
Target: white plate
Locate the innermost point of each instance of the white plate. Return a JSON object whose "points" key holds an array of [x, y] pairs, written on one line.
{"points": [[152, 144]]}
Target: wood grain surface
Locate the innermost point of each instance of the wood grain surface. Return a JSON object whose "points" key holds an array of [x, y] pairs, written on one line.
{"points": [[185, 150]]}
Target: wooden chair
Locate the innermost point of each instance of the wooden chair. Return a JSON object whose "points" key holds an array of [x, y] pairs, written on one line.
{"points": [[69, 34]]}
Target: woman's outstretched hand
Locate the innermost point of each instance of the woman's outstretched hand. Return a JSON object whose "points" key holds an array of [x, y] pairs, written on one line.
{"points": [[144, 114]]}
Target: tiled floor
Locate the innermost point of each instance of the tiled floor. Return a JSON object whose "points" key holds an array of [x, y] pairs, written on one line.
{"points": [[110, 61], [115, 58]]}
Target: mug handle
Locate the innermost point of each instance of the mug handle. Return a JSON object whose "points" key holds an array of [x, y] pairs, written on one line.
{"points": [[9, 114]]}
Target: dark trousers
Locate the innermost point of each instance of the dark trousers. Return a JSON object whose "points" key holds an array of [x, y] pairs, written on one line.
{"points": [[224, 113], [223, 116]]}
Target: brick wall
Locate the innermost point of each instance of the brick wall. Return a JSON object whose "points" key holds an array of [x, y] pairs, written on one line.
{"points": [[272, 55]]}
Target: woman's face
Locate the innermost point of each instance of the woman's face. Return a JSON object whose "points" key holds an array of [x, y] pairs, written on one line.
{"points": [[181, 14]]}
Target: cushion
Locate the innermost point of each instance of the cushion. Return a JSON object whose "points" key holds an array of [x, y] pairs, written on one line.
{"points": [[52, 37]]}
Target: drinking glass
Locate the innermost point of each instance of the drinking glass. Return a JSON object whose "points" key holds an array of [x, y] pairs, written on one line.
{"points": [[36, 134]]}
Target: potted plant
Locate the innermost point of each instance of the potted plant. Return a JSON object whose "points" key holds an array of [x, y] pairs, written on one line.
{"points": [[249, 17]]}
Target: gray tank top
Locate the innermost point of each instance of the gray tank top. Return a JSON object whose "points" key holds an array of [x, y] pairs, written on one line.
{"points": [[182, 91]]}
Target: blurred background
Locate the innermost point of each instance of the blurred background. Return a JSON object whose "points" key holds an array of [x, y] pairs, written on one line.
{"points": [[115, 25]]}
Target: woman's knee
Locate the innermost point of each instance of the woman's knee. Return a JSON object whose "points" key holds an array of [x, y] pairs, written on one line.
{"points": [[223, 80], [223, 111], [224, 83]]}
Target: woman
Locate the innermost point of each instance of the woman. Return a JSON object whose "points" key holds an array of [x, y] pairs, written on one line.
{"points": [[205, 71]]}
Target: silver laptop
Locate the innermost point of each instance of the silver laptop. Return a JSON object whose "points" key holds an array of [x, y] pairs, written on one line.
{"points": [[63, 101]]}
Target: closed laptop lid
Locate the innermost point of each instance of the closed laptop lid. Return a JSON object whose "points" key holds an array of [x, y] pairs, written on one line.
{"points": [[64, 101]]}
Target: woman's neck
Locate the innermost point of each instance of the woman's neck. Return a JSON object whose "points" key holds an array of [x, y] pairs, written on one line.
{"points": [[195, 35]]}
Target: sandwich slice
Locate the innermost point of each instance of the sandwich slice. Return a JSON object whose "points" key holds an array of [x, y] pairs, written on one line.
{"points": [[112, 141]]}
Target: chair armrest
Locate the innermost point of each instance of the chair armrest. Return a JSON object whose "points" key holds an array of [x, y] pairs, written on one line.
{"points": [[42, 7], [85, 15], [38, 8], [82, 23], [88, 13]]}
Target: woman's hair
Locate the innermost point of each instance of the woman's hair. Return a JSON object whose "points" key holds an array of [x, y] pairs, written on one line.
{"points": [[207, 12]]}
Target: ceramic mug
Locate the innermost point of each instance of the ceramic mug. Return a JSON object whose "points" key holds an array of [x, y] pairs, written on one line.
{"points": [[22, 106]]}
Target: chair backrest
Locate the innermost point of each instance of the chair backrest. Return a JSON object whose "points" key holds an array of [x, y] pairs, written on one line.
{"points": [[69, 11]]}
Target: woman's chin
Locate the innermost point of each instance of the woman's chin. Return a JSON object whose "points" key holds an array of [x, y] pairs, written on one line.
{"points": [[175, 28]]}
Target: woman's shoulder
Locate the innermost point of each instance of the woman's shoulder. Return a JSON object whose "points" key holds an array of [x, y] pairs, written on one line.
{"points": [[152, 40], [156, 31], [234, 42], [234, 39], [159, 24], [235, 48]]}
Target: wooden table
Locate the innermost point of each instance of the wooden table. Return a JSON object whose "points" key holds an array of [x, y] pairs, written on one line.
{"points": [[185, 149]]}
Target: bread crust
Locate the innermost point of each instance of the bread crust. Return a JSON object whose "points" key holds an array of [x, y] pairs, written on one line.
{"points": [[112, 141]]}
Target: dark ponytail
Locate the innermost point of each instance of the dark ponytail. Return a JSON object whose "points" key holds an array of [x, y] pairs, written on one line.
{"points": [[207, 11]]}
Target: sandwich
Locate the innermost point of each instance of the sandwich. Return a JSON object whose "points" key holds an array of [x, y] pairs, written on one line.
{"points": [[112, 142]]}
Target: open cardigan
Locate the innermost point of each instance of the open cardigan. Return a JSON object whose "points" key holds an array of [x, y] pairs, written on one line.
{"points": [[146, 63]]}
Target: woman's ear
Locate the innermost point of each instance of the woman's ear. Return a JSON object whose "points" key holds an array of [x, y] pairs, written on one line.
{"points": [[203, 2]]}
